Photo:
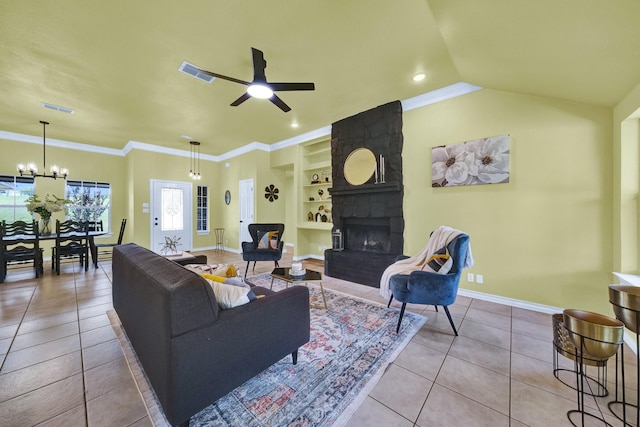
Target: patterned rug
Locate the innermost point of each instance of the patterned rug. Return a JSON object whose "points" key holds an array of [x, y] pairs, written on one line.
{"points": [[351, 345]]}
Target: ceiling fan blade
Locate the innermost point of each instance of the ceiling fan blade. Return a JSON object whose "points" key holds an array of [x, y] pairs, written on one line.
{"points": [[259, 64], [280, 103], [220, 76], [240, 100], [292, 86]]}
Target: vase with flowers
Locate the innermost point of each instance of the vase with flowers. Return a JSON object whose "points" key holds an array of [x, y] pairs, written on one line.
{"points": [[45, 208]]}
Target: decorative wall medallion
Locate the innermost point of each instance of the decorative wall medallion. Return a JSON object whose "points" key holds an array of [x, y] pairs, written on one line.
{"points": [[271, 193]]}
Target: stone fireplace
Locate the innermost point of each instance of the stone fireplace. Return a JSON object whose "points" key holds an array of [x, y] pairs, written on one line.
{"points": [[370, 215]]}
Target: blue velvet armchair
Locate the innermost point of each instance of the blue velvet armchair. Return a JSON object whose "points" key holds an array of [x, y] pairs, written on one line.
{"points": [[266, 244], [424, 287]]}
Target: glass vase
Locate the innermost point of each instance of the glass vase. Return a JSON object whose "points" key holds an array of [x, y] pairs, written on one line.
{"points": [[45, 226]]}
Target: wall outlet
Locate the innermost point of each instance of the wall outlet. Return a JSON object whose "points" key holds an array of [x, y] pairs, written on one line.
{"points": [[479, 279], [469, 277]]}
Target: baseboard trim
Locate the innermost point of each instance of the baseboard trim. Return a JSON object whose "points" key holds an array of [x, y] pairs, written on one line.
{"points": [[629, 337]]}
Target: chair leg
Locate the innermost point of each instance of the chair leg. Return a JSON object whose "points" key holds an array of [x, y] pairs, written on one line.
{"points": [[390, 299], [436, 307], [446, 310], [404, 305], [276, 262], [247, 269]]}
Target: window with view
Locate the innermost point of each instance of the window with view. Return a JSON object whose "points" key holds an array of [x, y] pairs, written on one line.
{"points": [[203, 208], [90, 201], [14, 191]]}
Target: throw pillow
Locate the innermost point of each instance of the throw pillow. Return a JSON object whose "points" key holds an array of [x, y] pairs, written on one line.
{"points": [[229, 296], [439, 262], [268, 240]]}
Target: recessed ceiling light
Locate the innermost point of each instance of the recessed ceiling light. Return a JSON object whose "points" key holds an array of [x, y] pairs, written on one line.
{"points": [[294, 125], [186, 137], [419, 77]]}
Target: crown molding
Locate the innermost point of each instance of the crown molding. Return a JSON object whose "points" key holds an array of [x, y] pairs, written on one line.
{"points": [[19, 137], [435, 96]]}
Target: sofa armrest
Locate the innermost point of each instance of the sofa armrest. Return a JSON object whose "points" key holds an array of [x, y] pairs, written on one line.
{"points": [[244, 341]]}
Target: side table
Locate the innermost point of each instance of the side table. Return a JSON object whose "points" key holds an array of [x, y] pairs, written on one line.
{"points": [[282, 273]]}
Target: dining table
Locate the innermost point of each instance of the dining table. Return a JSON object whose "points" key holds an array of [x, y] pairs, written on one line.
{"points": [[52, 236]]}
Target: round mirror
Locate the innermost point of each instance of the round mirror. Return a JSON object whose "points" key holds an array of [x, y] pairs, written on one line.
{"points": [[359, 166], [227, 197]]}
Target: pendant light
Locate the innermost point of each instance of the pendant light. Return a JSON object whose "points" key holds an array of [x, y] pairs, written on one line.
{"points": [[32, 169], [194, 168]]}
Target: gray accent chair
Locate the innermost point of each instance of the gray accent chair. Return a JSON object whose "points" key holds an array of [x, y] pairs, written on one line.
{"points": [[251, 250]]}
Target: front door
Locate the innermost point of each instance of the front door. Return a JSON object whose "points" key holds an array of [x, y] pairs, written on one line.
{"points": [[171, 216], [246, 209]]}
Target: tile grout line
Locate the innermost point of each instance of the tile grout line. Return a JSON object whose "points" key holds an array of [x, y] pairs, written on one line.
{"points": [[84, 380], [18, 328]]}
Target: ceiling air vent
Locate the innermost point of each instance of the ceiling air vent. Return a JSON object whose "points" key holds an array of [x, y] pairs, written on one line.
{"points": [[193, 71], [57, 108]]}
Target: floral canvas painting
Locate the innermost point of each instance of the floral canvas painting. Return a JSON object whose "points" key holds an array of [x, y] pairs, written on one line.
{"points": [[481, 161]]}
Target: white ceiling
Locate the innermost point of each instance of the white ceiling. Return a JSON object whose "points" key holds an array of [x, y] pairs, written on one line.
{"points": [[116, 63]]}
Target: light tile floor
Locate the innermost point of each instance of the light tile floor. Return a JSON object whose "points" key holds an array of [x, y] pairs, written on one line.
{"points": [[62, 364]]}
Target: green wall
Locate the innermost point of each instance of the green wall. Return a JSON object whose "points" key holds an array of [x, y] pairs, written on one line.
{"points": [[544, 237], [552, 235]]}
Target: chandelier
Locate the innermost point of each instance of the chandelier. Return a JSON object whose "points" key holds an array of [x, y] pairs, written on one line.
{"points": [[194, 167], [31, 167]]}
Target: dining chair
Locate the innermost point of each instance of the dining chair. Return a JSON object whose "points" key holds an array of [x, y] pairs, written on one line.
{"points": [[72, 240], [19, 243], [106, 249]]}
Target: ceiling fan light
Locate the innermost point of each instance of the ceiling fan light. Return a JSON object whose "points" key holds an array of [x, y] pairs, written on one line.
{"points": [[261, 91]]}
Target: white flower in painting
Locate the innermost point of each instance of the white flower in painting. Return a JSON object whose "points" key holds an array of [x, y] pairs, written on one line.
{"points": [[448, 163], [488, 159]]}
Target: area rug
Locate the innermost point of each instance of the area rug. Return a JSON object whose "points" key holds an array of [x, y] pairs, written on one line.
{"points": [[351, 345]]}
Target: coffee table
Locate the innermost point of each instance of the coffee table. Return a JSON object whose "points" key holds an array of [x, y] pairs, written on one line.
{"points": [[282, 273]]}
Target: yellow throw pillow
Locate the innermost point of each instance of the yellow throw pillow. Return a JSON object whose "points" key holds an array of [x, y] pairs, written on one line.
{"points": [[213, 277]]}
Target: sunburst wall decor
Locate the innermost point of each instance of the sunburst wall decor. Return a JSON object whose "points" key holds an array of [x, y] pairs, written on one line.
{"points": [[271, 193]]}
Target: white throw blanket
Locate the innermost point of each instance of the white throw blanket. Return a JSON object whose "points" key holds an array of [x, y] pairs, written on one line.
{"points": [[440, 238]]}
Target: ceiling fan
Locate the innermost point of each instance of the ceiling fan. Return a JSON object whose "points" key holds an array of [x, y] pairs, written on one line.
{"points": [[260, 87]]}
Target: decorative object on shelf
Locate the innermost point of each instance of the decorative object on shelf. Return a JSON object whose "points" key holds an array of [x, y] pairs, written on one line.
{"points": [[318, 216], [326, 176], [315, 179], [45, 208], [271, 193], [170, 245], [312, 199], [310, 216], [320, 193], [381, 167], [321, 208], [360, 166], [336, 240], [323, 218], [31, 167], [194, 166], [480, 161], [227, 197]]}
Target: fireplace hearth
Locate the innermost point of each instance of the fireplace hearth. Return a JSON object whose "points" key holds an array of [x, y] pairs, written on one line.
{"points": [[370, 216]]}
